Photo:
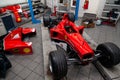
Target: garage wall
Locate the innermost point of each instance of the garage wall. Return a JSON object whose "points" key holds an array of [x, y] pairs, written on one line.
{"points": [[43, 1], [95, 6], [11, 2], [111, 1], [52, 3], [100, 7]]}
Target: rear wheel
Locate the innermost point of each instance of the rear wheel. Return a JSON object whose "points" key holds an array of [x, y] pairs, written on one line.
{"points": [[46, 20], [71, 17], [57, 64], [110, 54]]}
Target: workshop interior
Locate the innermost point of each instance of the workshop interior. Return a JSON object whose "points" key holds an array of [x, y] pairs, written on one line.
{"points": [[60, 40]]}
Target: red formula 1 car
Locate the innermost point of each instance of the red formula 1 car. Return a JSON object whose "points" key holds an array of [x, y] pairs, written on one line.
{"points": [[13, 41], [78, 50]]}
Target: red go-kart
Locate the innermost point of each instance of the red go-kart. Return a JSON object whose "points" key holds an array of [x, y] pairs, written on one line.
{"points": [[78, 50], [13, 42]]}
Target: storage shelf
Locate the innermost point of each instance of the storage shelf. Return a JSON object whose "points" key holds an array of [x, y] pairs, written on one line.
{"points": [[73, 6], [109, 18], [112, 5], [60, 4], [26, 9], [107, 8], [61, 11], [67, 6], [109, 11]]}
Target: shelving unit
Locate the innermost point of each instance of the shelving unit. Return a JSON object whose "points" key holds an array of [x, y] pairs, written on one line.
{"points": [[62, 6], [112, 5], [107, 8], [72, 6], [66, 6]]}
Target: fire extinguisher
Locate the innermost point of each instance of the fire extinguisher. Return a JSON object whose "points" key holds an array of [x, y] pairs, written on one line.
{"points": [[55, 11], [86, 4]]}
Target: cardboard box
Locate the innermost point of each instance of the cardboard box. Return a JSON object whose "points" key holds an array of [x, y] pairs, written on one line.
{"points": [[88, 20], [88, 25]]}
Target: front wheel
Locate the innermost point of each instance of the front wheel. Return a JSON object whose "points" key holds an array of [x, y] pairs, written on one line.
{"points": [[110, 54], [58, 64]]}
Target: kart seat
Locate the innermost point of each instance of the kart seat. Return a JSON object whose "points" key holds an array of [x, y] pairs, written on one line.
{"points": [[69, 29]]}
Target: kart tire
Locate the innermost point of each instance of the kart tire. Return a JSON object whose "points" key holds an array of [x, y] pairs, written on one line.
{"points": [[57, 64], [110, 54], [46, 20], [71, 17]]}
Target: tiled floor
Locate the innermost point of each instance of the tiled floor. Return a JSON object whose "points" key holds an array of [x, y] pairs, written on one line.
{"points": [[87, 72]]}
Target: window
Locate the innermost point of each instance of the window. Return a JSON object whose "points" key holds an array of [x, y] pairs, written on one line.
{"points": [[73, 3], [60, 1]]}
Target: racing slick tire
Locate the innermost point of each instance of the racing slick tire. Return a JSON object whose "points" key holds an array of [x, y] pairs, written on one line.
{"points": [[46, 20], [58, 64], [71, 17], [110, 54]]}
